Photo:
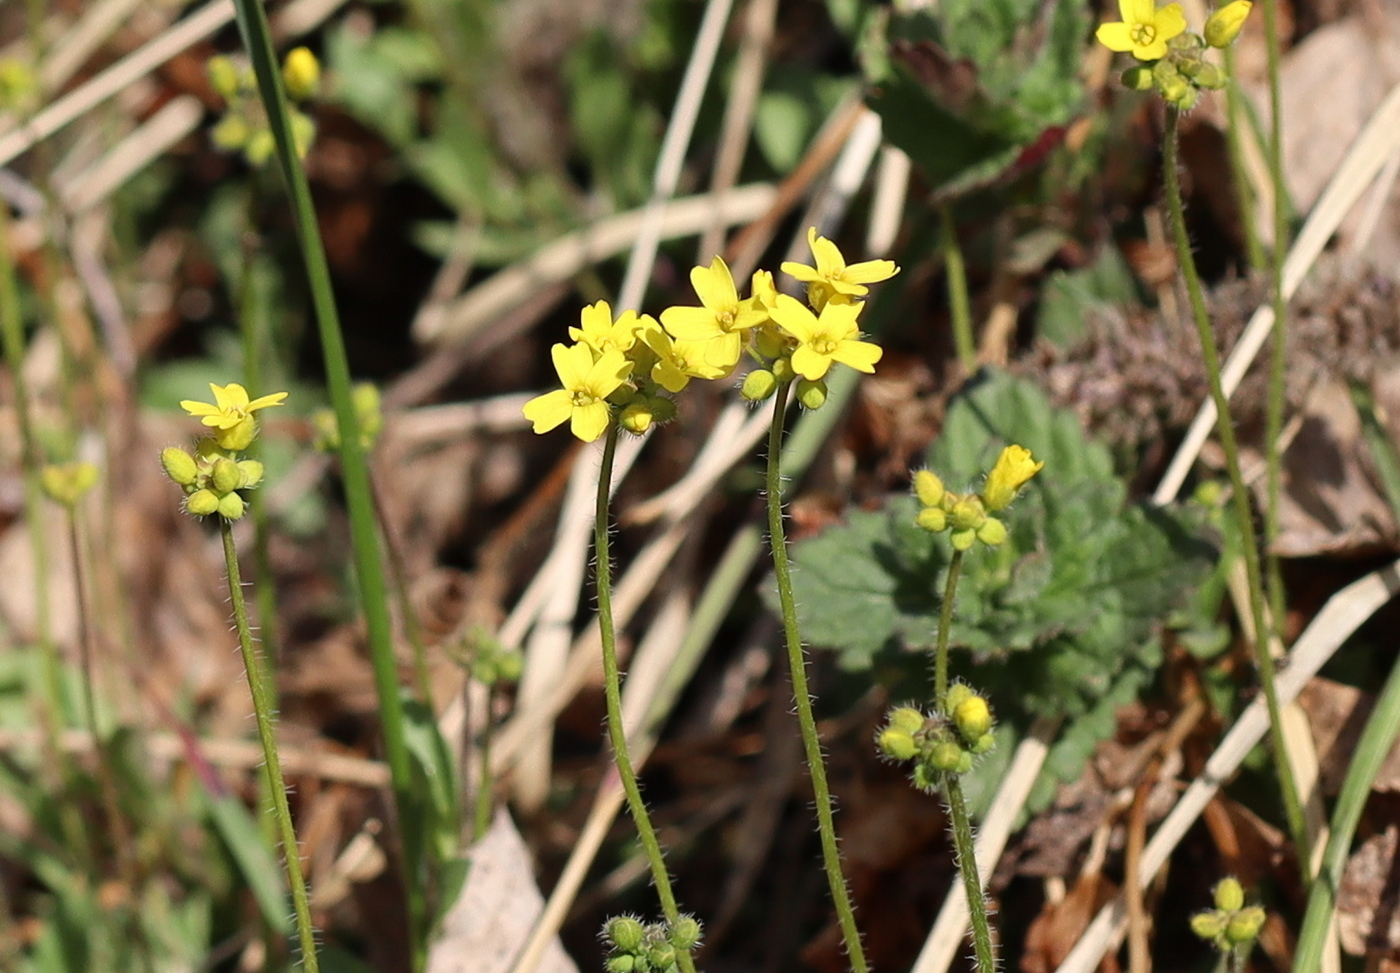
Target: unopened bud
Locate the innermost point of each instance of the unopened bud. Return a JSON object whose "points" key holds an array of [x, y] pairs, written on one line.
{"points": [[179, 465], [1244, 925], [992, 532], [250, 473], [226, 476], [231, 506], [302, 73], [946, 756], [759, 384], [1225, 24], [625, 932], [1229, 895], [202, 503], [812, 394], [685, 933], [928, 488], [973, 718], [932, 519], [908, 719], [897, 744]]}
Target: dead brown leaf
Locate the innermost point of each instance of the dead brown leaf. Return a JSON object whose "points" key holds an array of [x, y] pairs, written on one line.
{"points": [[1338, 713], [1368, 900], [1054, 932]]}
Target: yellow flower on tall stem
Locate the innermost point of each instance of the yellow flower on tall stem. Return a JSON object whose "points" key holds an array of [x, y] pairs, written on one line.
{"points": [[231, 414], [1145, 29], [832, 337], [832, 280], [721, 321], [583, 399]]}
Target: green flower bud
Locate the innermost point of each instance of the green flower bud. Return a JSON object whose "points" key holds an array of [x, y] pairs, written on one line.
{"points": [[923, 778], [1181, 93], [769, 342], [1208, 925], [1244, 925], [965, 763], [259, 147], [992, 533], [179, 465], [986, 743], [231, 133], [226, 476], [626, 963], [303, 133], [1138, 78], [782, 369], [625, 932], [759, 384], [811, 394], [1229, 895], [1210, 77], [955, 695], [231, 506], [1225, 24], [968, 514], [962, 539], [637, 417], [509, 665], [223, 76], [685, 933], [897, 744], [932, 519], [661, 955], [946, 756], [929, 488], [66, 483], [202, 503], [908, 719], [251, 473], [973, 718]]}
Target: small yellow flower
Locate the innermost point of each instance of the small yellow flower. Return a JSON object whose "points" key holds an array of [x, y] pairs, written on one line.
{"points": [[721, 320], [679, 361], [833, 337], [1225, 24], [1145, 29], [1014, 468], [583, 399], [831, 279], [301, 73], [602, 334], [231, 415]]}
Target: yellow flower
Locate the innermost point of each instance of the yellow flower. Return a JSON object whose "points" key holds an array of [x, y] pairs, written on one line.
{"points": [[1014, 468], [1145, 29], [679, 361], [583, 399], [833, 337], [231, 415], [721, 321], [1225, 24], [301, 73], [602, 334], [831, 279]]}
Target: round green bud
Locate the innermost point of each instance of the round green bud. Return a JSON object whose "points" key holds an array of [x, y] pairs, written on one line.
{"points": [[962, 539], [945, 756], [1229, 895], [231, 133], [303, 132], [1244, 925], [769, 342], [1208, 925], [626, 963], [685, 933], [955, 695], [759, 384], [202, 503], [179, 465], [231, 506], [637, 417], [811, 394], [929, 488], [968, 514], [965, 763], [896, 744], [1209, 76], [251, 472], [661, 955], [923, 778], [973, 718], [223, 75], [625, 932], [782, 369], [486, 671], [932, 519], [259, 147], [992, 532], [1138, 78], [226, 476], [986, 743], [907, 719]]}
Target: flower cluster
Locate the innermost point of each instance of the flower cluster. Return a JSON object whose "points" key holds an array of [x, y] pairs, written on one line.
{"points": [[1174, 62], [244, 127], [1231, 923], [18, 86], [66, 483], [627, 368], [968, 516], [946, 742], [638, 948], [369, 418], [213, 474]]}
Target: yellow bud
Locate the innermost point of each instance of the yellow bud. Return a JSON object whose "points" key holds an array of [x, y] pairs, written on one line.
{"points": [[1225, 24], [202, 503], [302, 73], [637, 417], [179, 465], [1014, 468], [811, 394], [223, 75], [231, 506], [1244, 925], [369, 410], [908, 719], [897, 744], [928, 488], [956, 693], [237, 437], [782, 370], [759, 384], [992, 532], [67, 482], [946, 756], [250, 473], [1229, 895], [231, 133], [973, 718], [968, 514], [962, 539], [685, 933], [226, 476], [932, 519]]}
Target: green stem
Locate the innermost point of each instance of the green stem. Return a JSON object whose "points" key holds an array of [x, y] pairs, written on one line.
{"points": [[797, 666], [1273, 424], [972, 881], [1234, 144], [398, 578], [1293, 807], [262, 713], [484, 797], [612, 691], [369, 571], [959, 305], [945, 624]]}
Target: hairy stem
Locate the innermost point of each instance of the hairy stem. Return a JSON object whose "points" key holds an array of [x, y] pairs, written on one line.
{"points": [[945, 624], [961, 827]]}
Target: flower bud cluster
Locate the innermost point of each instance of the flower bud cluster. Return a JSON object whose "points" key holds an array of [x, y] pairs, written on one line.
{"points": [[648, 948], [369, 418], [211, 478], [1231, 923], [947, 742], [967, 517], [1172, 59], [244, 127], [66, 483], [627, 369]]}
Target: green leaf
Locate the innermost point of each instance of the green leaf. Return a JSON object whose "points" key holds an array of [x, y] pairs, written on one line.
{"points": [[246, 845]]}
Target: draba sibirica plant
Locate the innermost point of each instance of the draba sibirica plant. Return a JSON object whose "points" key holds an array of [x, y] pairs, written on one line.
{"points": [[943, 744], [244, 127], [1172, 59], [211, 477], [1231, 927], [623, 372]]}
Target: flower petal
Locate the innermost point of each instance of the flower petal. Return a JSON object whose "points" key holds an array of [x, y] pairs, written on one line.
{"points": [[794, 317], [596, 319], [871, 271], [838, 321], [1126, 9], [590, 421], [264, 401], [691, 323], [800, 271], [231, 396], [714, 285], [1115, 37], [860, 355], [549, 410], [195, 408], [830, 263], [607, 373], [1142, 12], [572, 362], [809, 364], [1170, 22]]}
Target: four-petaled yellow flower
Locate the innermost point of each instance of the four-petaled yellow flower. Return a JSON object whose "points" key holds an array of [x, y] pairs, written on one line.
{"points": [[1145, 29], [722, 320], [679, 361], [831, 280], [231, 414], [601, 333], [1014, 468], [583, 399], [833, 337]]}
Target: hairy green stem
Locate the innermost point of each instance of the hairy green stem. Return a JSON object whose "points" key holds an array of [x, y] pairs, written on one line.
{"points": [[797, 665], [481, 819], [959, 305], [963, 841], [262, 714], [1234, 144], [612, 690], [945, 624], [1293, 807]]}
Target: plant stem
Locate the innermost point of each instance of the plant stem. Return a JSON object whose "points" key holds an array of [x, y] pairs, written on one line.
{"points": [[1234, 144], [1273, 423], [481, 821], [959, 306], [961, 827], [613, 692], [262, 714], [797, 665], [945, 624], [1240, 496]]}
